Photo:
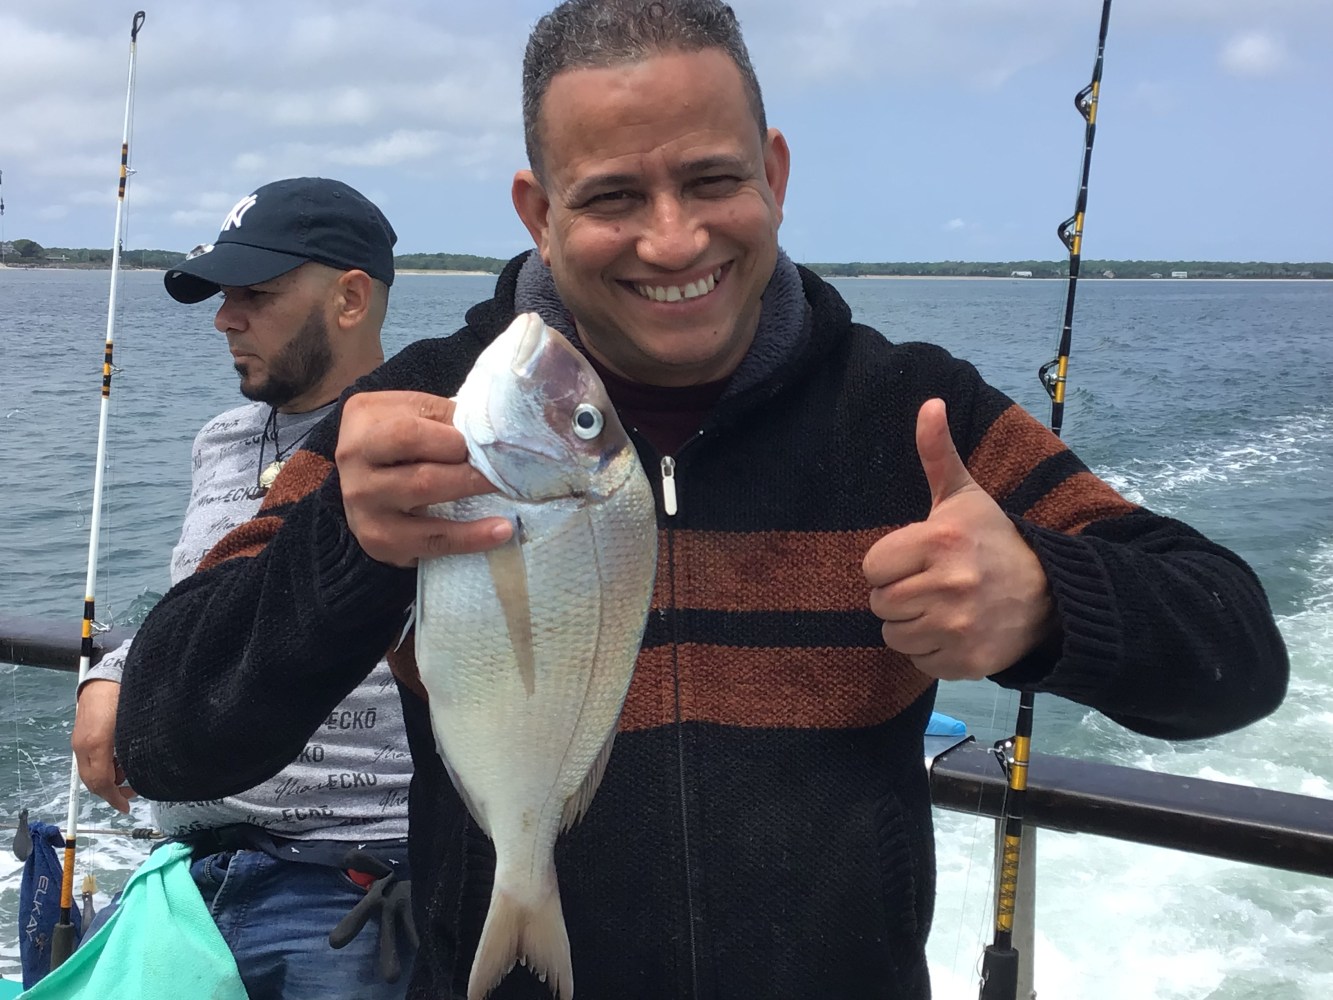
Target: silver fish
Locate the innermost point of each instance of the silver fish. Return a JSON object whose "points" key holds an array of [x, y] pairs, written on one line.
{"points": [[527, 651]]}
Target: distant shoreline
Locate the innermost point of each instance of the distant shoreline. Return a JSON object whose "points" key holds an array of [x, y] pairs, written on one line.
{"points": [[433, 270]]}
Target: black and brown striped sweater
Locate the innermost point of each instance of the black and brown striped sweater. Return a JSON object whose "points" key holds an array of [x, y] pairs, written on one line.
{"points": [[763, 829]]}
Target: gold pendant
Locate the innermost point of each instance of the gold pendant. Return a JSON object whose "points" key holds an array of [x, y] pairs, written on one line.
{"points": [[269, 474]]}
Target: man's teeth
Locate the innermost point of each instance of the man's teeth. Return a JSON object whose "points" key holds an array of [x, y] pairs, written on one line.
{"points": [[674, 293]]}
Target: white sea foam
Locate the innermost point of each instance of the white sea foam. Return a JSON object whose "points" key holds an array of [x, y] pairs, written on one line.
{"points": [[1245, 456], [1117, 920]]}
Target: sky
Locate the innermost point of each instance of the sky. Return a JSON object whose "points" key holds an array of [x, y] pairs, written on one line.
{"points": [[920, 130]]}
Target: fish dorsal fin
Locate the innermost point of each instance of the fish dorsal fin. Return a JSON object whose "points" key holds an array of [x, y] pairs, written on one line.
{"points": [[509, 573], [578, 803]]}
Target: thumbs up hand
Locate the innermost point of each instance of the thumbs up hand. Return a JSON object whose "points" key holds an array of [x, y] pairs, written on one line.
{"points": [[961, 594]]}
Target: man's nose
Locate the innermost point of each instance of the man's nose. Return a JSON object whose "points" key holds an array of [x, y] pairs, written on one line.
{"points": [[674, 237], [228, 317]]}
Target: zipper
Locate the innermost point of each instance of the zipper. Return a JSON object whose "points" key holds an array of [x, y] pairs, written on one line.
{"points": [[669, 486], [670, 507], [683, 784]]}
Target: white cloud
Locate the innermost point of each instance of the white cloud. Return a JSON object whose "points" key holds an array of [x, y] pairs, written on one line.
{"points": [[94, 196], [344, 106], [194, 218], [398, 147], [250, 163], [981, 46], [1254, 54], [953, 225]]}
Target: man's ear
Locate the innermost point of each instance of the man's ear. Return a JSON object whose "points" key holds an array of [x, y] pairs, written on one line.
{"points": [[533, 207], [777, 166], [352, 298]]}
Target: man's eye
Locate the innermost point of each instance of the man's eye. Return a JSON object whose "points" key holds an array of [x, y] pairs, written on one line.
{"points": [[716, 184], [608, 197]]}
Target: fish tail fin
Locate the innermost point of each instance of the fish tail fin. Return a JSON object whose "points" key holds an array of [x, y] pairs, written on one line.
{"points": [[528, 931]]}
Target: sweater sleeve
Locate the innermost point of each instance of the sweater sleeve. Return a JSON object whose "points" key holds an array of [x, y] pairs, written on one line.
{"points": [[1162, 630], [239, 663]]}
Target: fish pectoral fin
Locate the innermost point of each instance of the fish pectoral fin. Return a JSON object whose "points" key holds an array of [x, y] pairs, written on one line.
{"points": [[509, 573], [577, 804]]}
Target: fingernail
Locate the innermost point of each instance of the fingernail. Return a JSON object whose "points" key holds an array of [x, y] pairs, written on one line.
{"points": [[502, 531]]}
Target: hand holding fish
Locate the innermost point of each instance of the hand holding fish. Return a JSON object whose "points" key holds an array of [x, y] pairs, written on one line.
{"points": [[961, 593], [398, 452]]}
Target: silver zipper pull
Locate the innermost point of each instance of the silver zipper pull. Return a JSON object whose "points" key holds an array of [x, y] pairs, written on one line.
{"points": [[669, 485]]}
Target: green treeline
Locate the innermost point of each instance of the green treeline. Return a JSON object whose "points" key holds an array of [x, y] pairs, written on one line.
{"points": [[27, 253], [448, 262]]}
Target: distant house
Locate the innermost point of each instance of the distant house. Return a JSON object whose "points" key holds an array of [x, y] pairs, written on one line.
{"points": [[1180, 274], [1108, 273], [7, 248], [1155, 274], [1020, 274], [56, 256]]}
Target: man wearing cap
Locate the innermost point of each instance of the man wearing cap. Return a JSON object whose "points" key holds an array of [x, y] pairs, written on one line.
{"points": [[303, 267]]}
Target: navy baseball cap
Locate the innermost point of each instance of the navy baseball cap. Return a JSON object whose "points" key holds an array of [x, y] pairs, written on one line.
{"points": [[281, 226]]}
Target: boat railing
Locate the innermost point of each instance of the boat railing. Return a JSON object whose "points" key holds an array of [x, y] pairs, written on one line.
{"points": [[1258, 826], [37, 642]]}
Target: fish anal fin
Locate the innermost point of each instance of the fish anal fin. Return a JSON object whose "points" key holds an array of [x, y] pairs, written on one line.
{"points": [[577, 804], [531, 932], [509, 573]]}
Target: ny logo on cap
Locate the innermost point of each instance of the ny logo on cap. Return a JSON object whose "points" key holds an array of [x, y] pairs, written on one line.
{"points": [[237, 213]]}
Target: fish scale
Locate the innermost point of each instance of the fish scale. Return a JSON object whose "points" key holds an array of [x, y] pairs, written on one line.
{"points": [[527, 652]]}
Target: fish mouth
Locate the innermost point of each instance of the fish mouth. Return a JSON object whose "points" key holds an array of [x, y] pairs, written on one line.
{"points": [[696, 289]]}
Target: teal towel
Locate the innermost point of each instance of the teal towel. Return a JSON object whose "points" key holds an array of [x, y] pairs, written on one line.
{"points": [[159, 944]]}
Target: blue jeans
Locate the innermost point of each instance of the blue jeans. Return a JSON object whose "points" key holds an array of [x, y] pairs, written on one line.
{"points": [[276, 917]]}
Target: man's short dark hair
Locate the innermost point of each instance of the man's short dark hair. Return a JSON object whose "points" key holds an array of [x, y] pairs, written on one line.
{"points": [[595, 34]]}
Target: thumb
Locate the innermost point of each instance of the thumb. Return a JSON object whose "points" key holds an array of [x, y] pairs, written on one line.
{"points": [[945, 472]]}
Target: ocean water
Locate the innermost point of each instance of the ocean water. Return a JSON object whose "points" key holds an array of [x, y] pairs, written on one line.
{"points": [[1208, 401]]}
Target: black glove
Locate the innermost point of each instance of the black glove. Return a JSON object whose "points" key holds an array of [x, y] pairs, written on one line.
{"points": [[390, 898]]}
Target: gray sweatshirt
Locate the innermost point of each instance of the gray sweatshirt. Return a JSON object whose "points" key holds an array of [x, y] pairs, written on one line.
{"points": [[350, 782]]}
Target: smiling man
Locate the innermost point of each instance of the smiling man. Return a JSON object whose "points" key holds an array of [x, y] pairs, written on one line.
{"points": [[843, 521]]}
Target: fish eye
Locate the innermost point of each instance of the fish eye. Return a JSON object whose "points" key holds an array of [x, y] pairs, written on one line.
{"points": [[587, 421]]}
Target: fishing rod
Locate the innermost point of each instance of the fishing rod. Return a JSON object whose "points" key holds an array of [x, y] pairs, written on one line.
{"points": [[62, 940], [999, 967]]}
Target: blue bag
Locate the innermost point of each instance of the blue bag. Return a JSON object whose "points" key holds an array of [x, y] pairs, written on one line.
{"points": [[39, 902]]}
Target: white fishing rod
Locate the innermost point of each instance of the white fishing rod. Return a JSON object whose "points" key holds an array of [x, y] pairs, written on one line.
{"points": [[62, 941]]}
